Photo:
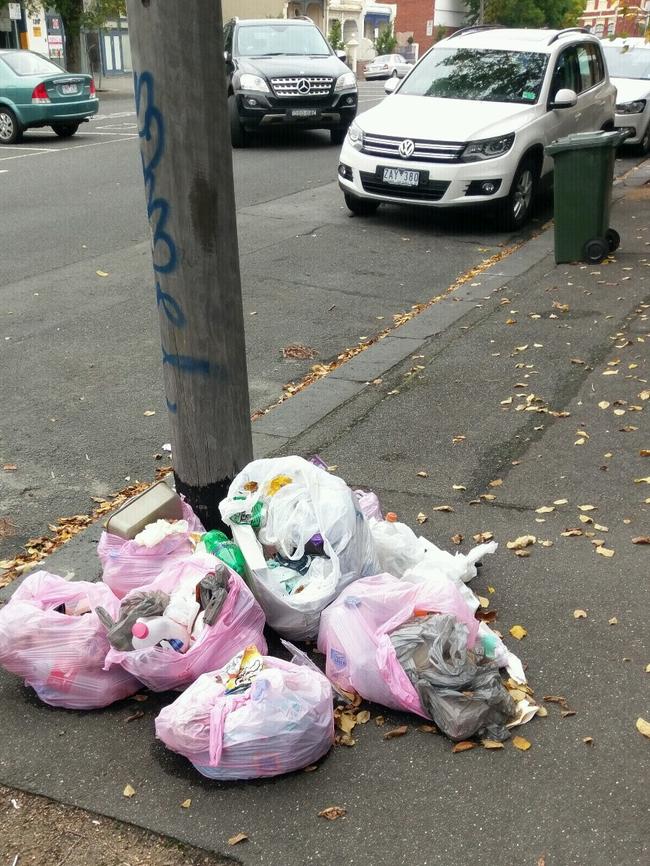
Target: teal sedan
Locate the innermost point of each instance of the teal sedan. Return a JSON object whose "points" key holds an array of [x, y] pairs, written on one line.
{"points": [[36, 92]]}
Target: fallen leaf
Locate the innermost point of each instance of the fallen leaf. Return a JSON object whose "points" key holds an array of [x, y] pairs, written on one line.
{"points": [[458, 487], [587, 507], [138, 714], [421, 518], [546, 543], [10, 467], [393, 392], [442, 508], [422, 474], [603, 404], [488, 497], [299, 352], [128, 791], [491, 589], [396, 732], [644, 452], [428, 729], [610, 372], [571, 533], [457, 539], [542, 712], [491, 744], [506, 402], [589, 741], [579, 614], [567, 712], [521, 542], [363, 717], [235, 840], [311, 768], [605, 551], [612, 621], [544, 509], [619, 412], [600, 528], [644, 395], [518, 632], [380, 721], [521, 743], [140, 698], [496, 483], [484, 602], [641, 539], [583, 518], [101, 273], [482, 537], [332, 813], [149, 413], [186, 804], [464, 746], [564, 308], [486, 615], [541, 861], [647, 669]]}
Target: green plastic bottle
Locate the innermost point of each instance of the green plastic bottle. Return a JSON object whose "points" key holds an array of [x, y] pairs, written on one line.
{"points": [[218, 543]]}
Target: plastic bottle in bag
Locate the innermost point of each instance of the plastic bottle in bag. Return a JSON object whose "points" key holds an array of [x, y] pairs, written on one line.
{"points": [[150, 631], [218, 544]]}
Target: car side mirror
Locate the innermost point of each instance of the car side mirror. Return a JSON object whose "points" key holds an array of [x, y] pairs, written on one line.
{"points": [[341, 55], [564, 98], [391, 85]]}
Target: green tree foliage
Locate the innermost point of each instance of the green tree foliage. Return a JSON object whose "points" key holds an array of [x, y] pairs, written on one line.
{"points": [[527, 13], [386, 42], [335, 35]]}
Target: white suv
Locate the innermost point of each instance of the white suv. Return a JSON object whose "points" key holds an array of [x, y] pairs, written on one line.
{"points": [[470, 122]]}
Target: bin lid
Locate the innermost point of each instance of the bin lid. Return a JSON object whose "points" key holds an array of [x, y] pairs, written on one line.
{"points": [[582, 140]]}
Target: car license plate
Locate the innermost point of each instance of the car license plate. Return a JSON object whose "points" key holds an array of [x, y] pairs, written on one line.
{"points": [[401, 177], [67, 89], [304, 112]]}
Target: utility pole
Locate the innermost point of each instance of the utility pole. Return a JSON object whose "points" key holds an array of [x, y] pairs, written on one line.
{"points": [[182, 115]]}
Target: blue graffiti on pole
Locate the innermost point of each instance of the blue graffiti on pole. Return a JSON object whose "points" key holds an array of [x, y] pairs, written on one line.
{"points": [[151, 130]]}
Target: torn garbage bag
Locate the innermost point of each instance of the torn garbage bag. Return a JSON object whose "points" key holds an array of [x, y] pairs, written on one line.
{"points": [[211, 614], [131, 564], [459, 688], [355, 634], [303, 536], [51, 636], [259, 716]]}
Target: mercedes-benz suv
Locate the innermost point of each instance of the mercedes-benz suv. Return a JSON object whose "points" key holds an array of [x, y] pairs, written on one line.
{"points": [[470, 122], [284, 73]]}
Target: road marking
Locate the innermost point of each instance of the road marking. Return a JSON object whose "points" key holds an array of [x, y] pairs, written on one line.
{"points": [[116, 114], [42, 151], [4, 171]]}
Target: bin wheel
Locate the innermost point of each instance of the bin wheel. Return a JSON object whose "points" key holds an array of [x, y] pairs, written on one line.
{"points": [[613, 240], [595, 250]]}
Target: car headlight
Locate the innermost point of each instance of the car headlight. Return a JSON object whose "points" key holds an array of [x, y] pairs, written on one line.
{"points": [[489, 148], [636, 107], [355, 136], [253, 82], [345, 81]]}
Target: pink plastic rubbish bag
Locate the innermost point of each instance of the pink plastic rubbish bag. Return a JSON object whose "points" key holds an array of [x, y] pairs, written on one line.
{"points": [[355, 632], [129, 565], [61, 654], [283, 722], [240, 622]]}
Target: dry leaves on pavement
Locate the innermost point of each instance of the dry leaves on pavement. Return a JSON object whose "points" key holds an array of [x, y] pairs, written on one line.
{"points": [[332, 813], [518, 632], [464, 746], [643, 727], [236, 839], [396, 732], [299, 352]]}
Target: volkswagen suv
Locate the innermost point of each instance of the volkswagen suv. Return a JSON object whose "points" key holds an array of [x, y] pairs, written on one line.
{"points": [[284, 73], [470, 122]]}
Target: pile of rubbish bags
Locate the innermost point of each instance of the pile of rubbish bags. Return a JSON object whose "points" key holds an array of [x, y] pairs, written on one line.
{"points": [[182, 609]]}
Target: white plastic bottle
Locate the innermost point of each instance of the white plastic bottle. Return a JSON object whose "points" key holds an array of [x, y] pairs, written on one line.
{"points": [[150, 631]]}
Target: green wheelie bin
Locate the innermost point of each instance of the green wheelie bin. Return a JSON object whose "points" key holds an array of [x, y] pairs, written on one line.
{"points": [[583, 177]]}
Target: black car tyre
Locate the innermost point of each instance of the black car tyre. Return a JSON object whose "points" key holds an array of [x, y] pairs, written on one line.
{"points": [[65, 130], [360, 206], [337, 135], [10, 129], [644, 145], [517, 205], [238, 136]]}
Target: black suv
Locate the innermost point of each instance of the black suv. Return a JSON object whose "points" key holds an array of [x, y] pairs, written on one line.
{"points": [[285, 73]]}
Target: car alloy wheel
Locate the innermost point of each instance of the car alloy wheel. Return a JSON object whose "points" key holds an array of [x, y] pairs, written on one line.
{"points": [[522, 194], [7, 127]]}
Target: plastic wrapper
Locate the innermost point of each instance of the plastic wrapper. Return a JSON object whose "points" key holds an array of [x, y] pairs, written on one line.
{"points": [[240, 622], [61, 654], [128, 565], [355, 634], [458, 688], [287, 502], [282, 721]]}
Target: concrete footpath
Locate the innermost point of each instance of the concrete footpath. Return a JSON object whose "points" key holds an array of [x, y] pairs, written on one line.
{"points": [[528, 384]]}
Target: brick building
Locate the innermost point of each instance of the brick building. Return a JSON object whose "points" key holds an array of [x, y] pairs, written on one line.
{"points": [[614, 18], [426, 21]]}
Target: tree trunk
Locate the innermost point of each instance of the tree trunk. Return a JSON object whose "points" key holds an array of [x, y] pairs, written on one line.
{"points": [[73, 51]]}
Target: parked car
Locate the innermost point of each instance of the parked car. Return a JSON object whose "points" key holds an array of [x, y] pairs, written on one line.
{"points": [[628, 61], [284, 73], [387, 66], [470, 122], [34, 92]]}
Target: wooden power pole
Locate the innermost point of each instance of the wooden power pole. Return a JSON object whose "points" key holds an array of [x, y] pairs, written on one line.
{"points": [[182, 115]]}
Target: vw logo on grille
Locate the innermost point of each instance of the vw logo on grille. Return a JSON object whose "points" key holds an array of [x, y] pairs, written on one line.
{"points": [[304, 86], [406, 148]]}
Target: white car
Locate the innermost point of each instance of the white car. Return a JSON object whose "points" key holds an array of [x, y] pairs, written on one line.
{"points": [[387, 66], [470, 122], [628, 61]]}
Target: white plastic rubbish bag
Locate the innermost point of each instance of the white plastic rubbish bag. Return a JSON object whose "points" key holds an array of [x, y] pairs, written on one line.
{"points": [[129, 565], [355, 635], [263, 718], [303, 536], [51, 636], [240, 622]]}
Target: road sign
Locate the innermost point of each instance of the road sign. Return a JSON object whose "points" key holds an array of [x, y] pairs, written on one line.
{"points": [[15, 12]]}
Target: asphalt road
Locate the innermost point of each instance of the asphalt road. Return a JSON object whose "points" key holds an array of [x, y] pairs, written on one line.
{"points": [[79, 352]]}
